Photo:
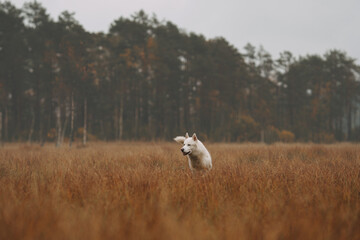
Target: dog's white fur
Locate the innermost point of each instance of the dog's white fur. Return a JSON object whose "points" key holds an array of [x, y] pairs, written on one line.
{"points": [[198, 156]]}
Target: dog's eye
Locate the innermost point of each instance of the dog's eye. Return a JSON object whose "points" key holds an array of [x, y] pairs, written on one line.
{"points": [[189, 145]]}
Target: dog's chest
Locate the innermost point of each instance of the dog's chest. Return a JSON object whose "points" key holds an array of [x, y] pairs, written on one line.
{"points": [[196, 162]]}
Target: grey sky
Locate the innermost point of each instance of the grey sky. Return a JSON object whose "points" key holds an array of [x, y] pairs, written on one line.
{"points": [[300, 26]]}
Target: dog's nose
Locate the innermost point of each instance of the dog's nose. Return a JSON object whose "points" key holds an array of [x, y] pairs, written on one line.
{"points": [[182, 150]]}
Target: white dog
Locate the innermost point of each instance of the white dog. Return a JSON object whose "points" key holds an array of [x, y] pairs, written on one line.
{"points": [[199, 157]]}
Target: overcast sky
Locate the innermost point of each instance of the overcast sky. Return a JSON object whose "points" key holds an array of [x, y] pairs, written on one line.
{"points": [[299, 26]]}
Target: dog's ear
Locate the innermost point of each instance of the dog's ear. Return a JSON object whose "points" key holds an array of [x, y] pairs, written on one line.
{"points": [[187, 135], [180, 139], [194, 137]]}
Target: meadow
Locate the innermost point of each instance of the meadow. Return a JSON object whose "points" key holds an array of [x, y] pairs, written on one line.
{"points": [[138, 190]]}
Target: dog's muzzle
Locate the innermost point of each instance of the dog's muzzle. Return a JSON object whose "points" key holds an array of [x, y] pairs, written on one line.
{"points": [[183, 152]]}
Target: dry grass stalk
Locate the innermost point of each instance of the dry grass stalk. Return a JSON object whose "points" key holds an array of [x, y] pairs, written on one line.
{"points": [[146, 191]]}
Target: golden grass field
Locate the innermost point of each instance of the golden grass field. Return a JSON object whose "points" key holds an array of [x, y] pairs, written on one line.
{"points": [[136, 190]]}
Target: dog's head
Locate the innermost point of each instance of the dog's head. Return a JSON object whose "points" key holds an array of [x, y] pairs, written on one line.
{"points": [[189, 143]]}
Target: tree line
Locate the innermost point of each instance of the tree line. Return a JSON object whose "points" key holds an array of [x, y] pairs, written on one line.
{"points": [[149, 80]]}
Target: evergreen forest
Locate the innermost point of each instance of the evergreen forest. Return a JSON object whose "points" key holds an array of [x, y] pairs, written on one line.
{"points": [[147, 79]]}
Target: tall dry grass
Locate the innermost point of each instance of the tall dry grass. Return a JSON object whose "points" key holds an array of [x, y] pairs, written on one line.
{"points": [[146, 191]]}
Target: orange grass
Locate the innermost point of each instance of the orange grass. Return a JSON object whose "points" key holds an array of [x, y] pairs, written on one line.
{"points": [[146, 191]]}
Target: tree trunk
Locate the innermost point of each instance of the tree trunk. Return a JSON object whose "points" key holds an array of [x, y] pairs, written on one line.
{"points": [[37, 111], [349, 123], [72, 120], [58, 125], [85, 123], [48, 119], [181, 113], [121, 119], [341, 127], [41, 124], [262, 135], [136, 117], [32, 125], [151, 103], [64, 128], [67, 116], [141, 109], [6, 133], [116, 123], [0, 129]]}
